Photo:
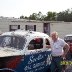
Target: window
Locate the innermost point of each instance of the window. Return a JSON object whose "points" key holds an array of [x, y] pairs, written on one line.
{"points": [[68, 38], [15, 42], [14, 27], [47, 42], [30, 27], [36, 43]]}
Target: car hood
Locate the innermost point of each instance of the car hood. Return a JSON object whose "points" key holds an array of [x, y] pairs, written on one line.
{"points": [[4, 52]]}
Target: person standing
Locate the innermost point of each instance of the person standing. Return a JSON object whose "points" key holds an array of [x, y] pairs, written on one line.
{"points": [[59, 50]]}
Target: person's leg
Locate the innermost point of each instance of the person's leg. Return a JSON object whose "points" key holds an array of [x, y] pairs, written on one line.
{"points": [[68, 56], [53, 65], [58, 64]]}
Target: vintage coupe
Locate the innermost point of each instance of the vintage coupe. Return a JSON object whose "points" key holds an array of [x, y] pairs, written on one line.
{"points": [[24, 51]]}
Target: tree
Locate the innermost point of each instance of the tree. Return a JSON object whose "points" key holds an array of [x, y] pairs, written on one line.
{"points": [[26, 17], [50, 16], [22, 17], [37, 16], [40, 16], [65, 15], [33, 16]]}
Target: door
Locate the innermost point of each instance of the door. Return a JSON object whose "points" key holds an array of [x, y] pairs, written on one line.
{"points": [[46, 28], [36, 58]]}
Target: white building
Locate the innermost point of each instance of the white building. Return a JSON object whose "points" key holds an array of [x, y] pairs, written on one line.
{"points": [[10, 24]]}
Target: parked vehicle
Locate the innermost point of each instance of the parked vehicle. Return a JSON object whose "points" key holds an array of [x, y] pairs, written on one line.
{"points": [[68, 39], [24, 51]]}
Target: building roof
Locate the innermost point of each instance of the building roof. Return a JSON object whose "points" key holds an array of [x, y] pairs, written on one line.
{"points": [[12, 19]]}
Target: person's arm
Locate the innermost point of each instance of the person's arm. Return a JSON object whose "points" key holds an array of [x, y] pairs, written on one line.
{"points": [[48, 46], [66, 49]]}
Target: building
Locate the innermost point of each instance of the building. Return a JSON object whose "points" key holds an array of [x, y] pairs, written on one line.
{"points": [[63, 28], [11, 24]]}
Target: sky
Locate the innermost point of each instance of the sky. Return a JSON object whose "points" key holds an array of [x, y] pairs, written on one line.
{"points": [[16, 8]]}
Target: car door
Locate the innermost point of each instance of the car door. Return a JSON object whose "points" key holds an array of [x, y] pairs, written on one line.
{"points": [[35, 59]]}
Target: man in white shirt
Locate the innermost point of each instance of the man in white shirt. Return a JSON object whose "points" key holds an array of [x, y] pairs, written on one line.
{"points": [[59, 50]]}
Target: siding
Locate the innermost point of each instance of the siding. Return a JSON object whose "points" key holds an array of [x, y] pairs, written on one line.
{"points": [[62, 28], [4, 25]]}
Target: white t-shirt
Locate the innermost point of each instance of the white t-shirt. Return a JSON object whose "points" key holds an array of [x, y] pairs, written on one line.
{"points": [[57, 47]]}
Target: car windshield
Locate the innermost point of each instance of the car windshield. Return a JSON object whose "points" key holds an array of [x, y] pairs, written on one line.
{"points": [[15, 42]]}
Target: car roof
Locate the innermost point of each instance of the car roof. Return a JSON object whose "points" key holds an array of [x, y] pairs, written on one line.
{"points": [[26, 33], [68, 35]]}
